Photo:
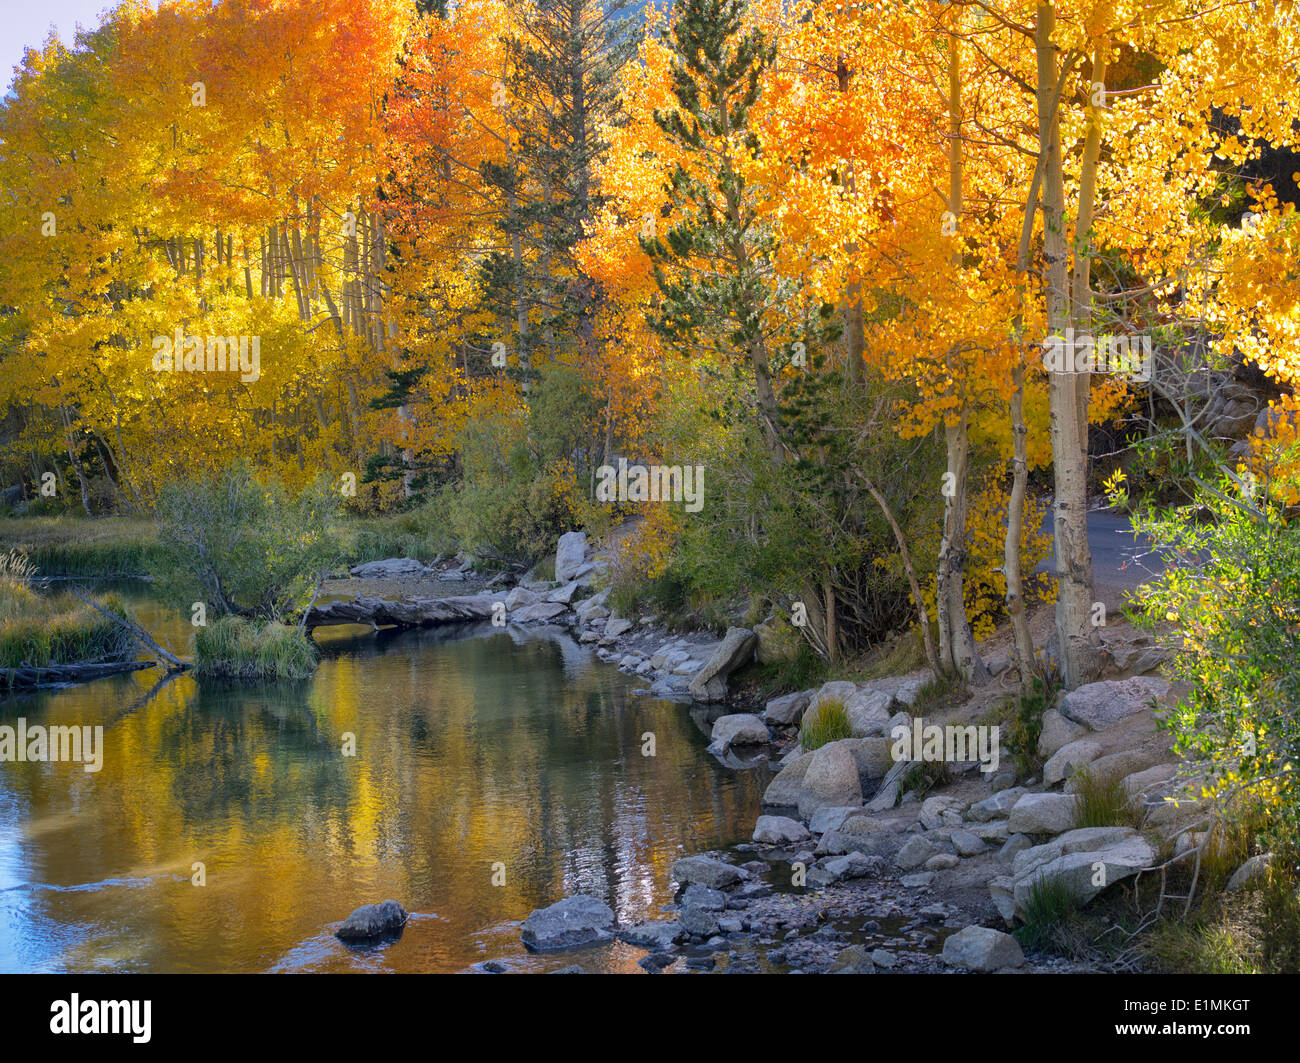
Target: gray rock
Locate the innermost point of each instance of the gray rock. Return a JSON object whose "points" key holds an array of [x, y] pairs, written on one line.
{"points": [[980, 948], [891, 787], [915, 852], [1002, 890], [1057, 732], [570, 923], [1140, 781], [706, 871], [837, 690], [616, 626], [736, 649], [966, 843], [883, 958], [788, 710], [996, 807], [1042, 814], [1069, 757], [1100, 705], [831, 779], [917, 881], [942, 862], [853, 960], [738, 729], [940, 811], [872, 756], [830, 817], [1017, 843], [372, 921], [697, 896], [868, 712], [1117, 766], [785, 790], [658, 936], [1084, 861], [519, 597], [391, 568], [779, 830], [570, 555], [852, 865], [540, 612], [1003, 781], [1251, 873], [563, 595], [698, 922]]}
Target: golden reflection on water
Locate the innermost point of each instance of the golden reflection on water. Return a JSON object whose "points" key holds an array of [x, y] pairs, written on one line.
{"points": [[473, 749]]}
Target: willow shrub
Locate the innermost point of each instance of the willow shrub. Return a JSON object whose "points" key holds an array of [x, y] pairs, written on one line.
{"points": [[1232, 592], [242, 545]]}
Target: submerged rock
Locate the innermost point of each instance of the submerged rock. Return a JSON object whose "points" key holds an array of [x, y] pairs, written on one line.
{"points": [[372, 921], [572, 922]]}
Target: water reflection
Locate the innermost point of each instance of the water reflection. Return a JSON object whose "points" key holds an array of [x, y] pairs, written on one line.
{"points": [[474, 748]]}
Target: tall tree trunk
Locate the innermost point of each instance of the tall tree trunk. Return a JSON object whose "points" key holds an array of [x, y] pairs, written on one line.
{"points": [[1080, 644], [956, 641]]}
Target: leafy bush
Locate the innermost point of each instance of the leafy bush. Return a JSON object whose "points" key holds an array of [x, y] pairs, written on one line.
{"points": [[829, 722], [1234, 601], [242, 546]]}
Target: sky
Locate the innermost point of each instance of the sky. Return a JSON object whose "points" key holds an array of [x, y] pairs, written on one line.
{"points": [[26, 23]]}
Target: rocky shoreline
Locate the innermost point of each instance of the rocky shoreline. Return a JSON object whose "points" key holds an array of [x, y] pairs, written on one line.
{"points": [[850, 869]]}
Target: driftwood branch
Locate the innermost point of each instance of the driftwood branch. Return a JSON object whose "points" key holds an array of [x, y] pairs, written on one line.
{"points": [[165, 656]]}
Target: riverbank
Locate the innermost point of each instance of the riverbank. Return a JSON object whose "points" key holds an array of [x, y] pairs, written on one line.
{"points": [[859, 859]]}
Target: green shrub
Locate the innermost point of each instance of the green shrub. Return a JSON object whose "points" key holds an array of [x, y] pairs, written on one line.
{"points": [[1020, 719], [1234, 643], [829, 722], [233, 647], [243, 546]]}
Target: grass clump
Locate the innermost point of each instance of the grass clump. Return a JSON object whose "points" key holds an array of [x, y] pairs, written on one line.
{"points": [[233, 647], [39, 631], [925, 775], [939, 692], [1102, 802], [829, 722], [1050, 917]]}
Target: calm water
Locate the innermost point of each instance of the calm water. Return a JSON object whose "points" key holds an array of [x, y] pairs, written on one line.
{"points": [[473, 747]]}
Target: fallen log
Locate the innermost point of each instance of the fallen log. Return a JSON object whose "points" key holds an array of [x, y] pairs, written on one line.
{"points": [[58, 674], [409, 612]]}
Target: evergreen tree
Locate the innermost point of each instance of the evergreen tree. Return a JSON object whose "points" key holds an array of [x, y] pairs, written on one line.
{"points": [[715, 265], [562, 91]]}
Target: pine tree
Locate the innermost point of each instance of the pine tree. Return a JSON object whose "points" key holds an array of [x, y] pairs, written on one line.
{"points": [[562, 92], [714, 266]]}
